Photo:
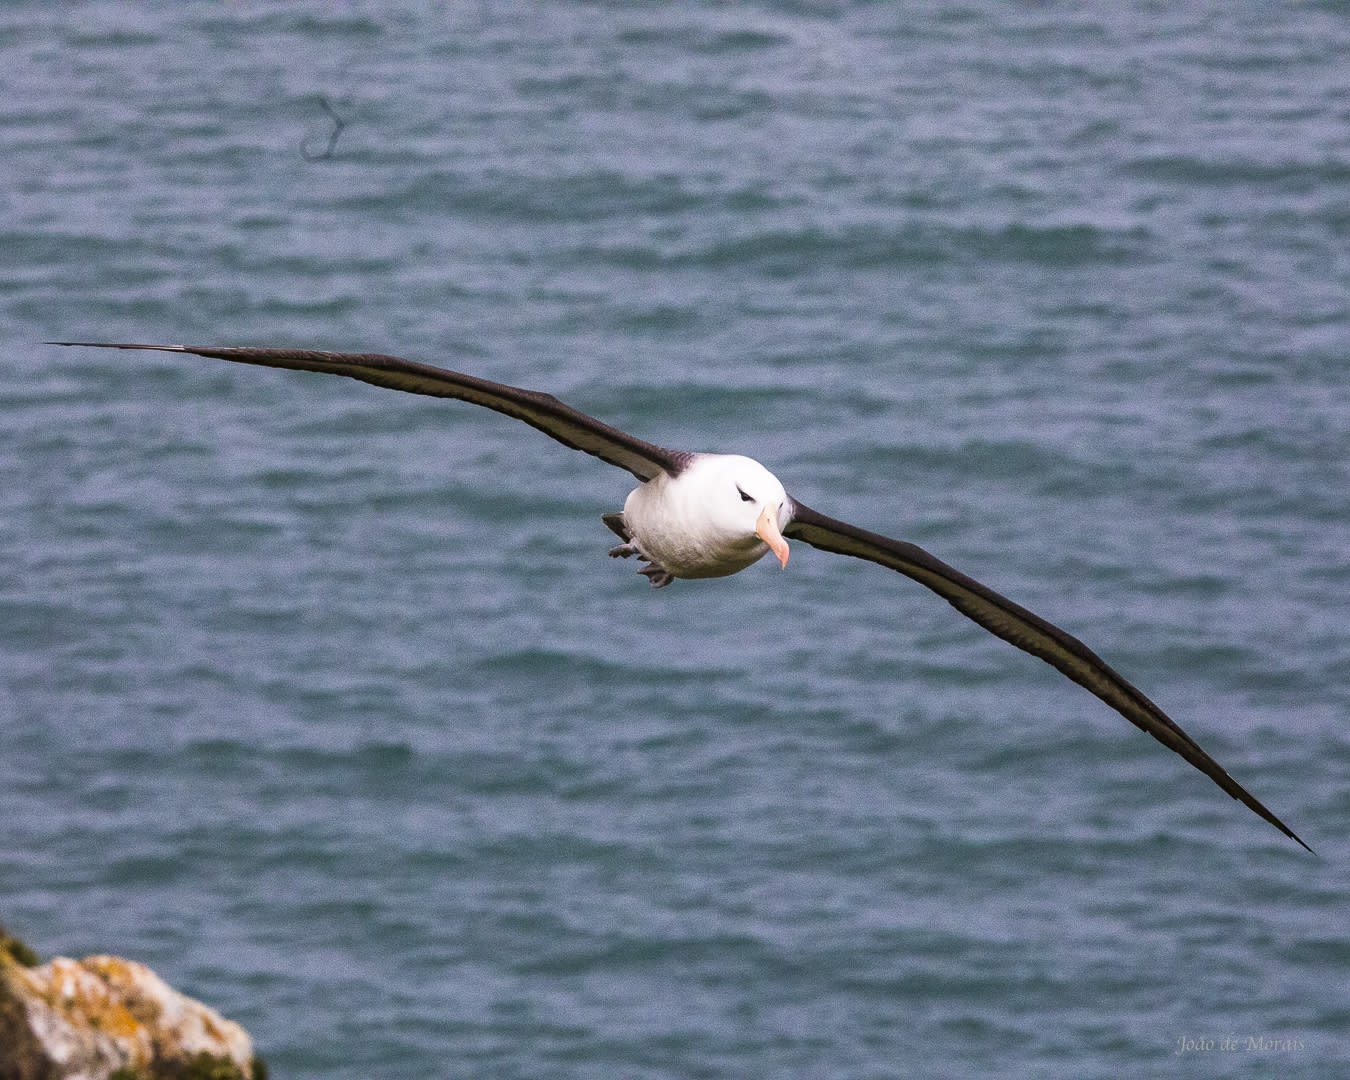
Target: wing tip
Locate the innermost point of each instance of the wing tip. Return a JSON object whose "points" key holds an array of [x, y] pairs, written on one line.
{"points": [[1242, 795], [120, 345], [1292, 835]]}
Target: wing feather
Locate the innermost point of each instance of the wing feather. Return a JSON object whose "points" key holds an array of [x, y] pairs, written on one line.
{"points": [[543, 411], [1020, 627]]}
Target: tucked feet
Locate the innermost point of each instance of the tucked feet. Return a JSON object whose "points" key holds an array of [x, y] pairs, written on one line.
{"points": [[658, 575]]}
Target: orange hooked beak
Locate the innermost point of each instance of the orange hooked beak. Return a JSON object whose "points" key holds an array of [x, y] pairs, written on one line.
{"points": [[766, 526]]}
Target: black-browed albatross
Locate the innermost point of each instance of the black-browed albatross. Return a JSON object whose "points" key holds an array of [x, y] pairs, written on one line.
{"points": [[710, 515]]}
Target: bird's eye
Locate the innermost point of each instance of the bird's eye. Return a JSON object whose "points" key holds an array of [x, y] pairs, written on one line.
{"points": [[743, 495]]}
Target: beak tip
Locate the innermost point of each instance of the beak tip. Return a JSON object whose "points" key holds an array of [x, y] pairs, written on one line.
{"points": [[767, 529]]}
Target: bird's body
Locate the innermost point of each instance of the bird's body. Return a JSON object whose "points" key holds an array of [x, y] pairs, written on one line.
{"points": [[710, 515], [703, 522]]}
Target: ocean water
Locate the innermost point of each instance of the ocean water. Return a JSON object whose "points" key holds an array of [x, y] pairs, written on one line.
{"points": [[325, 702]]}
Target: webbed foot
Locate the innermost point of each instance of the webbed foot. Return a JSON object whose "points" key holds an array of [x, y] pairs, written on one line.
{"points": [[659, 576]]}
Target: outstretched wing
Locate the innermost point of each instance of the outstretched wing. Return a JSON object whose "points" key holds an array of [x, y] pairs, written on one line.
{"points": [[1028, 631], [543, 411]]}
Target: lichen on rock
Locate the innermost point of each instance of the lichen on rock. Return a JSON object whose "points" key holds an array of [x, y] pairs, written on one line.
{"points": [[104, 1017]]}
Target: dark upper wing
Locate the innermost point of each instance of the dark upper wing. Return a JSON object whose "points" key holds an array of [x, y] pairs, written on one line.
{"points": [[543, 411], [1017, 625]]}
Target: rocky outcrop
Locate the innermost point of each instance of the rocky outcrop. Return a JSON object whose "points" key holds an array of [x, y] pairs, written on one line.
{"points": [[104, 1018]]}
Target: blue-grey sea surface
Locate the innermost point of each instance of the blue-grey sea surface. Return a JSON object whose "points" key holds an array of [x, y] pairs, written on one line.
{"points": [[325, 702]]}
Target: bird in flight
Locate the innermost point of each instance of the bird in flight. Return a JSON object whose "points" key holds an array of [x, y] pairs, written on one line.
{"points": [[710, 515]]}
